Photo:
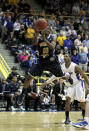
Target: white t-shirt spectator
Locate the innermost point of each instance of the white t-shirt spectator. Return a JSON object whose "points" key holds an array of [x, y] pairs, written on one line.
{"points": [[17, 26], [78, 42]]}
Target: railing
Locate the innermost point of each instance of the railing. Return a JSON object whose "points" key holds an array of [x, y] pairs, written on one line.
{"points": [[4, 68]]}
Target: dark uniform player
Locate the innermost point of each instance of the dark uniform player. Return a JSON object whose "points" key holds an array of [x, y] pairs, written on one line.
{"points": [[47, 61]]}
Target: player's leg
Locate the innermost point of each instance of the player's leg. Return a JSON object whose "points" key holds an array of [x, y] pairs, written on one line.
{"points": [[54, 68], [80, 95], [82, 104], [67, 109], [69, 95], [53, 102], [36, 70]]}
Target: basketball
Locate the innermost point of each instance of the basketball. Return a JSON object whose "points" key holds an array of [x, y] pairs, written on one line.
{"points": [[41, 24]]}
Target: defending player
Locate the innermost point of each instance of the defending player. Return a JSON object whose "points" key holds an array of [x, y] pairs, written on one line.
{"points": [[76, 90]]}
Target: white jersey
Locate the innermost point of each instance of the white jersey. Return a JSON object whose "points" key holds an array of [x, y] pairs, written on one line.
{"points": [[71, 70]]}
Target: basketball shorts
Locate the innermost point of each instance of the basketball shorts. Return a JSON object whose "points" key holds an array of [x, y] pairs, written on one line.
{"points": [[76, 92], [54, 68]]}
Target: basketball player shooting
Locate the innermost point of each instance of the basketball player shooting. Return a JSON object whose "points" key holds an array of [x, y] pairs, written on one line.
{"points": [[46, 61], [76, 90]]}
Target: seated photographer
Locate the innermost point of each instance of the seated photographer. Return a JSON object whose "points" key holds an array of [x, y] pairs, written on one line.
{"points": [[14, 92], [31, 94], [3, 85], [58, 91], [14, 73], [47, 99]]}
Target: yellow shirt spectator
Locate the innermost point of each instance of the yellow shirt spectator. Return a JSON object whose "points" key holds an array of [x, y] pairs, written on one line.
{"points": [[84, 47], [30, 33], [60, 40]]}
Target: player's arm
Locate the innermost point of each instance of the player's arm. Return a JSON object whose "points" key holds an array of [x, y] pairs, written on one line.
{"points": [[78, 70], [36, 38], [50, 45]]}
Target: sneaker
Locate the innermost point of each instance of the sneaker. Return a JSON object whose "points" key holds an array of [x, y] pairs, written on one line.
{"points": [[83, 124], [67, 122], [21, 108], [12, 108], [80, 119]]}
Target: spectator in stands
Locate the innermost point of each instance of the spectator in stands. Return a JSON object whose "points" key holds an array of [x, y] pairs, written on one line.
{"points": [[8, 24], [57, 26], [75, 9], [1, 13], [79, 30], [23, 58], [63, 30], [74, 47], [84, 47], [68, 43], [18, 53], [22, 33], [76, 24], [72, 36], [78, 40], [61, 21], [75, 57], [31, 94], [61, 56], [83, 60], [60, 39], [66, 50], [3, 86], [12, 44], [85, 24], [14, 90], [52, 34], [86, 41], [47, 98], [72, 31], [31, 61], [12, 74], [58, 91], [16, 28], [30, 35], [81, 12]]}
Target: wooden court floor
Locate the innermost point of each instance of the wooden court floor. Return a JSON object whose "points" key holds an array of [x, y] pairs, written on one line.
{"points": [[37, 121]]}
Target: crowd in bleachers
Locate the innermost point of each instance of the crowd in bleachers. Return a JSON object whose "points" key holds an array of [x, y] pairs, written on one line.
{"points": [[17, 32], [68, 7]]}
